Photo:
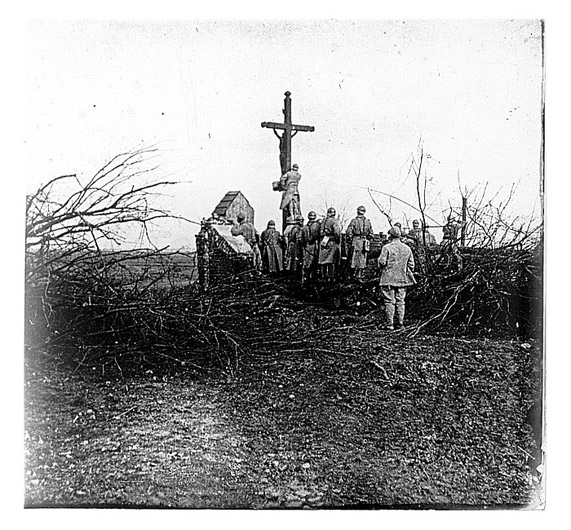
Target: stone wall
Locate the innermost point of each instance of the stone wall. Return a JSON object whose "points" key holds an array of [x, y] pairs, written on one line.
{"points": [[218, 257]]}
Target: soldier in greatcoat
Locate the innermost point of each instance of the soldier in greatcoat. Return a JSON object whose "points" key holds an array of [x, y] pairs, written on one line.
{"points": [[272, 255], [250, 234], [359, 234], [293, 256], [415, 235], [450, 247], [428, 238], [416, 240], [290, 202], [310, 246], [329, 250]]}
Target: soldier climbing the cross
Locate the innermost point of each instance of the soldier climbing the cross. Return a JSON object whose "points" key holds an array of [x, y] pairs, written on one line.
{"points": [[289, 177], [290, 198]]}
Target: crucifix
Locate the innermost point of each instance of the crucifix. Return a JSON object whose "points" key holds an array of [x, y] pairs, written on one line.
{"points": [[285, 139]]}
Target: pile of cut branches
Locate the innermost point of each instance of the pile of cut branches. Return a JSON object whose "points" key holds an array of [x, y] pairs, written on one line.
{"points": [[493, 289], [488, 272], [82, 296], [97, 320], [91, 306], [110, 310]]}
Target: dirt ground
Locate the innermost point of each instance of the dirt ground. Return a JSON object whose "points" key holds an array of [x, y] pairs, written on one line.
{"points": [[375, 419]]}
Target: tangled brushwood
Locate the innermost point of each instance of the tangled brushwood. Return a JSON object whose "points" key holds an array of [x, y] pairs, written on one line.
{"points": [[94, 307], [495, 289]]}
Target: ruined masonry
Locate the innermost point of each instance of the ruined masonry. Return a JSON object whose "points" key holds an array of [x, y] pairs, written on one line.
{"points": [[220, 254]]}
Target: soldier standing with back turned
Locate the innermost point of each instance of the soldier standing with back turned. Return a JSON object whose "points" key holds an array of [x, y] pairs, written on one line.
{"points": [[290, 203], [359, 234], [397, 265], [329, 251], [293, 253], [250, 234], [310, 246], [271, 241]]}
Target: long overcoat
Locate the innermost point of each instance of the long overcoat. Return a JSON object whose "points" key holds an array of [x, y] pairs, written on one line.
{"points": [[272, 255], [310, 243], [289, 182], [359, 231], [330, 237], [292, 237]]}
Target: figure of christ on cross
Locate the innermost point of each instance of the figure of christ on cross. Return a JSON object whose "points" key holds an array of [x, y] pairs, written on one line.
{"points": [[285, 151]]}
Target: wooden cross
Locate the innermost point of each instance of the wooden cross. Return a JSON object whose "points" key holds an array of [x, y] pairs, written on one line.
{"points": [[285, 139]]}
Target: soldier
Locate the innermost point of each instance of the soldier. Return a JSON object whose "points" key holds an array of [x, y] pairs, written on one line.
{"points": [[415, 235], [250, 234], [290, 198], [310, 246], [450, 247], [329, 252], [359, 234], [416, 241], [272, 255], [397, 265], [292, 237], [428, 238]]}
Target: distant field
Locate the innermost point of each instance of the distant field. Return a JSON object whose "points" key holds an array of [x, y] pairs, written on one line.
{"points": [[168, 269], [161, 269]]}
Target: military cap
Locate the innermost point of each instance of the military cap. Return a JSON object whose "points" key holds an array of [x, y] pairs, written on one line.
{"points": [[394, 232]]}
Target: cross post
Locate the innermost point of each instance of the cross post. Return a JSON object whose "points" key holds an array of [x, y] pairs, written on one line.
{"points": [[285, 139]]}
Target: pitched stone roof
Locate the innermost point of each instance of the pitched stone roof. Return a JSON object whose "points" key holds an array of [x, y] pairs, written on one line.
{"points": [[225, 202]]}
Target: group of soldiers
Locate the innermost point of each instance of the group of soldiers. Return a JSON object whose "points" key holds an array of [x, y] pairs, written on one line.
{"points": [[306, 252], [312, 251]]}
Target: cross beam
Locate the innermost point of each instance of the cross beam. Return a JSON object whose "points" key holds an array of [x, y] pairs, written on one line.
{"points": [[274, 125], [285, 139]]}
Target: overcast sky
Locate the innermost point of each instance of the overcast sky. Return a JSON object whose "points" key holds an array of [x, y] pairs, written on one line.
{"points": [[469, 90]]}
